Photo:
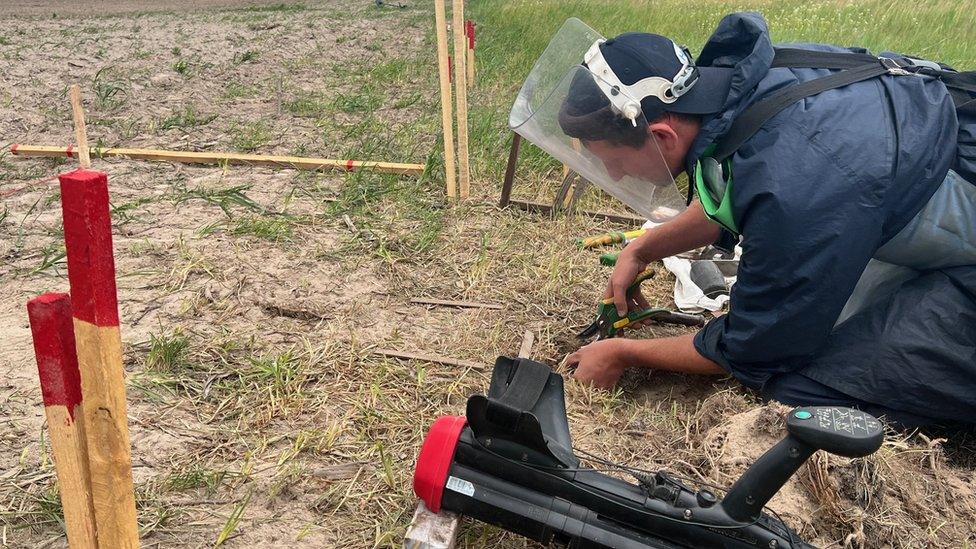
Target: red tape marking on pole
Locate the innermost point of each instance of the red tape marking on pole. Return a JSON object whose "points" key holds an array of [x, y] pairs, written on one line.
{"points": [[88, 242], [470, 34], [54, 347], [14, 147], [69, 150], [349, 165]]}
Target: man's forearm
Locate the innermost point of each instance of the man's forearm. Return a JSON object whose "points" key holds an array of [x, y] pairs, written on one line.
{"points": [[675, 354], [688, 230]]}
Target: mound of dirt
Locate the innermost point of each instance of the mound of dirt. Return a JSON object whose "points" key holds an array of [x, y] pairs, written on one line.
{"points": [[905, 495]]}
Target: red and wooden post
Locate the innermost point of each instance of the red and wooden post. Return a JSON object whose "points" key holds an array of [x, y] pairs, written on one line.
{"points": [[444, 75], [469, 32], [95, 315], [57, 367], [94, 306], [461, 97]]}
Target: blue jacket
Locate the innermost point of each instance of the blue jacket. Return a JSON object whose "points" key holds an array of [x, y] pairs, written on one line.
{"points": [[816, 192]]}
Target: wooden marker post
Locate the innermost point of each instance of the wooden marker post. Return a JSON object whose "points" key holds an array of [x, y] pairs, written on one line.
{"points": [[469, 32], [95, 311], [444, 73], [461, 95], [81, 134], [57, 367]]}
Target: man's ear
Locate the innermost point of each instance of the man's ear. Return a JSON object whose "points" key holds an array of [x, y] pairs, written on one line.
{"points": [[665, 135]]}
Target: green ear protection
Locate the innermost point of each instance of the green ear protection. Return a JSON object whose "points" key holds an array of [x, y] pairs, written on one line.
{"points": [[713, 181]]}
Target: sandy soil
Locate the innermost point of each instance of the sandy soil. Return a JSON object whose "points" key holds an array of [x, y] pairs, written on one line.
{"points": [[270, 400]]}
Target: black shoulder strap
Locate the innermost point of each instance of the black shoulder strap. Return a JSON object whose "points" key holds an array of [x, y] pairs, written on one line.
{"points": [[852, 67], [750, 121], [810, 59]]}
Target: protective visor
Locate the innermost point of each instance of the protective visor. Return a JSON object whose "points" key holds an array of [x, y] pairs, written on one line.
{"points": [[583, 117]]}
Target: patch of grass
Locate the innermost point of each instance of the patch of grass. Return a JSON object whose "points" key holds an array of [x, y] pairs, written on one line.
{"points": [[224, 198], [237, 90], [4, 41], [125, 212], [269, 228], [53, 257], [232, 521], [182, 66], [109, 94], [167, 353], [276, 8], [188, 117], [308, 104], [365, 99], [247, 56], [195, 477], [250, 136]]}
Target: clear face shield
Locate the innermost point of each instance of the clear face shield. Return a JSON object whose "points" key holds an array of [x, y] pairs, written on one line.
{"points": [[583, 117]]}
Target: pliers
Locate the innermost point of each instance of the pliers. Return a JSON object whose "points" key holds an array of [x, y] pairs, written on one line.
{"points": [[609, 324]]}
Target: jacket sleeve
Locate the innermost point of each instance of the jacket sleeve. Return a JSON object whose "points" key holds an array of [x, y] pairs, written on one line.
{"points": [[810, 223]]}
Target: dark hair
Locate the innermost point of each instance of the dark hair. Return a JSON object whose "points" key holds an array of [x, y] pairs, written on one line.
{"points": [[587, 115]]}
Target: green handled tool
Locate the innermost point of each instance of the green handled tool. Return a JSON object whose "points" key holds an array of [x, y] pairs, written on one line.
{"points": [[609, 323]]}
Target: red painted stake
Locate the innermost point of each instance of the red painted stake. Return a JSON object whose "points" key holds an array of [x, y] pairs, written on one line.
{"points": [[57, 367], [91, 273]]}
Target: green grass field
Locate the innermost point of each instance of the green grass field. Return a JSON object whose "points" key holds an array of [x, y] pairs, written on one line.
{"points": [[512, 35]]}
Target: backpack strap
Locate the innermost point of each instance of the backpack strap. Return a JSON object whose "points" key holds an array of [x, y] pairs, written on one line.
{"points": [[753, 118], [852, 67]]}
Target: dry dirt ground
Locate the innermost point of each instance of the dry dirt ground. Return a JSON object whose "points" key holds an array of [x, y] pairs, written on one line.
{"points": [[259, 415]]}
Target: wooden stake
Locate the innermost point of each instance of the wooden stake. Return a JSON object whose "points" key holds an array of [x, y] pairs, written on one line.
{"points": [[57, 367], [510, 170], [94, 306], [538, 207], [460, 304], [187, 157], [430, 358], [469, 32], [440, 24], [81, 134], [461, 95]]}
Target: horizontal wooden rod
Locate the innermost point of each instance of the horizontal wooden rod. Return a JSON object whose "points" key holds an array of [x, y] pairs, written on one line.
{"points": [[424, 357], [538, 207], [188, 157]]}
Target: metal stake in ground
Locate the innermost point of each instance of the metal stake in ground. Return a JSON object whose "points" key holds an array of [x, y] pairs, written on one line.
{"points": [[57, 367], [461, 94], [444, 73]]}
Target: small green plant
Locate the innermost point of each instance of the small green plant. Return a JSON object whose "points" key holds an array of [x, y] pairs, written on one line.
{"points": [[195, 477], [181, 66], [224, 198], [109, 94], [52, 257], [311, 105], [365, 99], [167, 352], [246, 57], [176, 51], [251, 136], [232, 521], [186, 118], [273, 228], [4, 41], [236, 90]]}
